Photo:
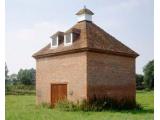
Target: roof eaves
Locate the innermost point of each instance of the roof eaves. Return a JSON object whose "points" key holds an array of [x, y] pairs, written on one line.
{"points": [[85, 49]]}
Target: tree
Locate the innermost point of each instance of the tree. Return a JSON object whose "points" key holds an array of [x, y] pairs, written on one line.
{"points": [[13, 79], [6, 71], [6, 74], [149, 75], [26, 76], [139, 81]]}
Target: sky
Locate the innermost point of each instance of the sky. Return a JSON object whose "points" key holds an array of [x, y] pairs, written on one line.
{"points": [[30, 23]]}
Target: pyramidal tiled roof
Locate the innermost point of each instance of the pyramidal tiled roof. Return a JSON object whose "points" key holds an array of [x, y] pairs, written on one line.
{"points": [[91, 38]]}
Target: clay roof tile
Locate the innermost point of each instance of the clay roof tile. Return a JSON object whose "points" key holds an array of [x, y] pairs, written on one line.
{"points": [[91, 38]]}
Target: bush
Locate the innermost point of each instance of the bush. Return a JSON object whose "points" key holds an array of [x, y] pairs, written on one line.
{"points": [[97, 105], [19, 89]]}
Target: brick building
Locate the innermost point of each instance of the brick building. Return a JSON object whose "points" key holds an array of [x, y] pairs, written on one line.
{"points": [[83, 62]]}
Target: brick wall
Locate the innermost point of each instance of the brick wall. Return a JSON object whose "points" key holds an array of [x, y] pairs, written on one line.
{"points": [[110, 75], [86, 74], [70, 69]]}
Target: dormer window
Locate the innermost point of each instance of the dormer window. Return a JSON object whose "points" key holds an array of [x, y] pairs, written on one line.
{"points": [[54, 42], [57, 39], [68, 39]]}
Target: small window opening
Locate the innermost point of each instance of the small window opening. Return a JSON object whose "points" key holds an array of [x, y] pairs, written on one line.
{"points": [[68, 39], [54, 42]]}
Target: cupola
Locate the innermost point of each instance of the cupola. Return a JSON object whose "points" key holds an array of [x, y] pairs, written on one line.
{"points": [[84, 14]]}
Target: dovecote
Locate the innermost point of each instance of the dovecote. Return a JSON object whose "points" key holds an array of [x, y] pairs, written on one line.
{"points": [[87, 62]]}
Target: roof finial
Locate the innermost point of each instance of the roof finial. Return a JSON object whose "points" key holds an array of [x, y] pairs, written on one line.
{"points": [[84, 6]]}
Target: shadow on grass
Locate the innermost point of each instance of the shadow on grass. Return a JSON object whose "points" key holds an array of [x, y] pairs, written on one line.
{"points": [[143, 91], [142, 111], [134, 111]]}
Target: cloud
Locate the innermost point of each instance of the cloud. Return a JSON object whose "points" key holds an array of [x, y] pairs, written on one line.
{"points": [[126, 5], [22, 43]]}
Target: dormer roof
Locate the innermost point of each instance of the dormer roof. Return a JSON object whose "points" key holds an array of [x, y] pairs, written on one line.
{"points": [[59, 33], [73, 30]]}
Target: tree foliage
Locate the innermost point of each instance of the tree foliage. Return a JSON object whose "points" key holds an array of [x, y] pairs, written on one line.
{"points": [[149, 75], [13, 79], [139, 81], [7, 81], [26, 76], [6, 72]]}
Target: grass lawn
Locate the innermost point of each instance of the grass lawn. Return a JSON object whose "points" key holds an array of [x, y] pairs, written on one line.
{"points": [[23, 108]]}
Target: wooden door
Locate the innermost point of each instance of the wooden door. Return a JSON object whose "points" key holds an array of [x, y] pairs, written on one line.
{"points": [[58, 92]]}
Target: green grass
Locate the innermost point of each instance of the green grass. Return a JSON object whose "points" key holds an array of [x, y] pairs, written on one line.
{"points": [[23, 108]]}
